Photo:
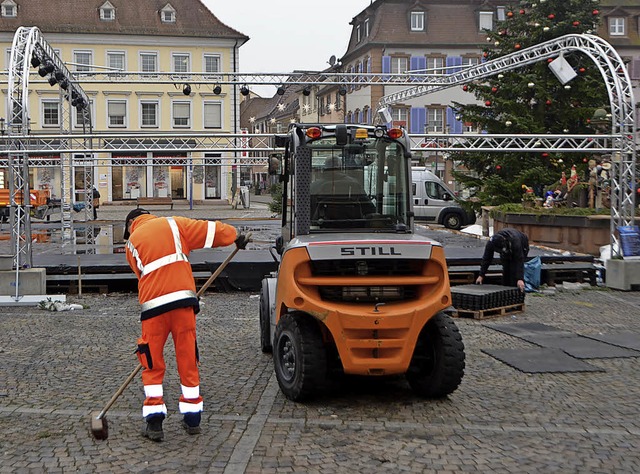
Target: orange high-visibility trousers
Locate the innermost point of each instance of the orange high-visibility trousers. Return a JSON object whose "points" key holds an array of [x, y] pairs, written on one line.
{"points": [[181, 324]]}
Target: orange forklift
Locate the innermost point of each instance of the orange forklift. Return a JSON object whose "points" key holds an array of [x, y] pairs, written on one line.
{"points": [[356, 291]]}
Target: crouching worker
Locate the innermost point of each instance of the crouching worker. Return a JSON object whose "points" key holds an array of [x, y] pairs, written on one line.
{"points": [[513, 247], [157, 250]]}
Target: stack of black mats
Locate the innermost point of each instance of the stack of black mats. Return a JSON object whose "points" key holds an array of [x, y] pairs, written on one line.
{"points": [[480, 297]]}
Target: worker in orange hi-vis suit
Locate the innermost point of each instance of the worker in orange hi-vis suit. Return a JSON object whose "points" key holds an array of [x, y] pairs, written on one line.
{"points": [[157, 250]]}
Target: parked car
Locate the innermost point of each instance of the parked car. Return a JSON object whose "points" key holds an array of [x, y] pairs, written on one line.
{"points": [[434, 202]]}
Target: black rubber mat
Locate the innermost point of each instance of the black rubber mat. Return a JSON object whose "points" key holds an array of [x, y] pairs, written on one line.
{"points": [[524, 329], [581, 347], [628, 340], [541, 360], [573, 344]]}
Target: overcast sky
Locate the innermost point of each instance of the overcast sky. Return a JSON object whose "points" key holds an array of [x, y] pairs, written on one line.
{"points": [[289, 34]]}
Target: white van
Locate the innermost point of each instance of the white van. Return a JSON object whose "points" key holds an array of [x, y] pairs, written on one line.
{"points": [[434, 202]]}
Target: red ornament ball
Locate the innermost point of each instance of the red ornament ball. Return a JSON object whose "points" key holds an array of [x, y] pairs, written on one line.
{"points": [[498, 167], [596, 12], [576, 23], [581, 70], [517, 46], [494, 89], [545, 155], [522, 12], [465, 88], [550, 60], [509, 14], [548, 101], [584, 160], [487, 103], [551, 16], [485, 54]]}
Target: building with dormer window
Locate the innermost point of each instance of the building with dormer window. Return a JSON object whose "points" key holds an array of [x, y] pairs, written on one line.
{"points": [[395, 36], [168, 14], [107, 12], [9, 9], [146, 36]]}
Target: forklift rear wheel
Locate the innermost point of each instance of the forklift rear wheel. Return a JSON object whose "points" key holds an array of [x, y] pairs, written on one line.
{"points": [[437, 366], [299, 356]]}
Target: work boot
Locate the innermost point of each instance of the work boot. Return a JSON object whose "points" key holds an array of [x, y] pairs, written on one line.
{"points": [[153, 430], [191, 423]]}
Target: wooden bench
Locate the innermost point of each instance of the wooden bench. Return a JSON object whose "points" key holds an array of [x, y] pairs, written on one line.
{"points": [[154, 201]]}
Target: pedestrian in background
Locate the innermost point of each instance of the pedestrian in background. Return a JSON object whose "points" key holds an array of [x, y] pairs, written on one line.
{"points": [[513, 247], [157, 250], [95, 203]]}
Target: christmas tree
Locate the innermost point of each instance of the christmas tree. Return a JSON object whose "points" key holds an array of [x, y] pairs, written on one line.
{"points": [[531, 100]]}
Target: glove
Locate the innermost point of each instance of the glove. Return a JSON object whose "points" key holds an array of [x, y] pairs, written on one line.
{"points": [[242, 240]]}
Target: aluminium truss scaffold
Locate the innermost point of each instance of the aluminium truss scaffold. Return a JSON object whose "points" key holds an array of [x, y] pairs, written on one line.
{"points": [[620, 142], [29, 49], [623, 115]]}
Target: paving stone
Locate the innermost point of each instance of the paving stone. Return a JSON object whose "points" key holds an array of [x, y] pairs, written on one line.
{"points": [[56, 369]]}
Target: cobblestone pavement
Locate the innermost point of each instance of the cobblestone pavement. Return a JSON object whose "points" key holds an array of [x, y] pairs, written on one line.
{"points": [[57, 367]]}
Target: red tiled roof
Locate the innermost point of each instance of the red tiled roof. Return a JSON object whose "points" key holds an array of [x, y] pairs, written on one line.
{"points": [[133, 17]]}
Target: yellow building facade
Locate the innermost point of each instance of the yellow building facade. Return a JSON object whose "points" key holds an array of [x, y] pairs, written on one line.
{"points": [[181, 37]]}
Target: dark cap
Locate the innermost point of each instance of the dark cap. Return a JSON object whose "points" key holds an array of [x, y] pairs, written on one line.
{"points": [[130, 217]]}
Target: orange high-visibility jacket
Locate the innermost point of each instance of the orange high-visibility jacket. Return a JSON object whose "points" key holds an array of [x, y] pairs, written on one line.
{"points": [[157, 252]]}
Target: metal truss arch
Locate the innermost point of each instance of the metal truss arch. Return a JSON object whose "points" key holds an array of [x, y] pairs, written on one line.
{"points": [[28, 50], [621, 101]]}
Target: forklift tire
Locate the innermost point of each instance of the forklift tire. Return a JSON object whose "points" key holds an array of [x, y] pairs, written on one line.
{"points": [[299, 357], [437, 365], [265, 320]]}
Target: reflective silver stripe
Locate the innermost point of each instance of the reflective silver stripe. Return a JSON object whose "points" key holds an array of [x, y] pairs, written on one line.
{"points": [[176, 234], [162, 261], [211, 234], [186, 407], [153, 409], [190, 393], [153, 390], [135, 255], [168, 298], [178, 256]]}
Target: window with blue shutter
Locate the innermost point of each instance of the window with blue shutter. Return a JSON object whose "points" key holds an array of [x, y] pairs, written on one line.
{"points": [[419, 64], [386, 66], [453, 64], [418, 119], [455, 126]]}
